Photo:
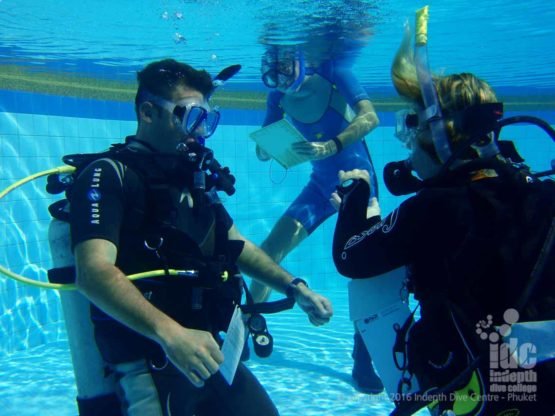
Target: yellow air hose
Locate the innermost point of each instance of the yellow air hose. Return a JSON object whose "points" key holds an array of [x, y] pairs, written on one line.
{"points": [[70, 286]]}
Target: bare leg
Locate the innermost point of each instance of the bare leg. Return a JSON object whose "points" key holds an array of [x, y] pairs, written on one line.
{"points": [[284, 237]]}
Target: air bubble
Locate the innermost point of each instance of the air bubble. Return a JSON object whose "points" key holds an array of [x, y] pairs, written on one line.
{"points": [[179, 38]]}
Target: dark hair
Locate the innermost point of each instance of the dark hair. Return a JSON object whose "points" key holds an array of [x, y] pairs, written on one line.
{"points": [[161, 77]]}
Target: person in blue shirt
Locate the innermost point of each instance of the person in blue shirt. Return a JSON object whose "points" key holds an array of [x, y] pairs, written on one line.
{"points": [[334, 113]]}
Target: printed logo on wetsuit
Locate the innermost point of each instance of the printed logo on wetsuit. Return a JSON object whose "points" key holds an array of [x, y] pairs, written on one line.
{"points": [[354, 240], [95, 180], [386, 227], [391, 221], [94, 196]]}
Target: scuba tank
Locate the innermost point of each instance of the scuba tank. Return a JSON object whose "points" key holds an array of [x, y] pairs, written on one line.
{"points": [[96, 388]]}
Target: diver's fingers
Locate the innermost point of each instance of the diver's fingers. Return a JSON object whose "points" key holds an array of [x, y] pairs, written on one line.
{"points": [[261, 154], [302, 145], [202, 371], [216, 356], [320, 312], [208, 367], [373, 208], [328, 308], [324, 311], [194, 378], [355, 174], [305, 150], [317, 321], [335, 200]]}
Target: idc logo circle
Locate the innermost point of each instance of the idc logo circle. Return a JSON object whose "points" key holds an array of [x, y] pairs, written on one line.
{"points": [[94, 195]]}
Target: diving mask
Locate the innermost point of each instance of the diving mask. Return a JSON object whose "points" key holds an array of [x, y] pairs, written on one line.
{"points": [[406, 126], [195, 118], [286, 72]]}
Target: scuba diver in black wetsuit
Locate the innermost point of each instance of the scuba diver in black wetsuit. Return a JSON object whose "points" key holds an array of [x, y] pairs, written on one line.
{"points": [[477, 240], [152, 204]]}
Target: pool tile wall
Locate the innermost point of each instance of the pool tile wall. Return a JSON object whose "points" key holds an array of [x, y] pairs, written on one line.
{"points": [[36, 130]]}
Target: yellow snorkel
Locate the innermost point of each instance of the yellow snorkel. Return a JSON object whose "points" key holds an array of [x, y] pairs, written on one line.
{"points": [[63, 170], [432, 112]]}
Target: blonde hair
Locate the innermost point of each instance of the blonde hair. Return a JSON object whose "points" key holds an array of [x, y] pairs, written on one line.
{"points": [[455, 92]]}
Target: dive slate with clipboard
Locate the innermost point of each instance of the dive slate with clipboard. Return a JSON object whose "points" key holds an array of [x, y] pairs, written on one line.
{"points": [[276, 140]]}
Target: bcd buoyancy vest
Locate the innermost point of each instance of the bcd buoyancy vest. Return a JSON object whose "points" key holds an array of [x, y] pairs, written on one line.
{"points": [[150, 239], [443, 349]]}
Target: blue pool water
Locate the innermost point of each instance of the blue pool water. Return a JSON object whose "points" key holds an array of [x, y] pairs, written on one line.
{"points": [[309, 370], [64, 73]]}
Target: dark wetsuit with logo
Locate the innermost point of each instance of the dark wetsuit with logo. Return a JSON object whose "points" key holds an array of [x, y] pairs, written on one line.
{"points": [[462, 245], [108, 201]]}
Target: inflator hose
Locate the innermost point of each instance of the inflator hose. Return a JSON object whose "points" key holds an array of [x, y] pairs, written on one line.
{"points": [[68, 286]]}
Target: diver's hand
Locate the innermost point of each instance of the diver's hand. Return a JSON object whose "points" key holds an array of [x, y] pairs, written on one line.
{"points": [[262, 155], [353, 174], [317, 307], [373, 205], [195, 353], [335, 200], [315, 150]]}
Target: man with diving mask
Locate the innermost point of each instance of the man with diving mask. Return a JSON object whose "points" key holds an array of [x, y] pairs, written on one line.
{"points": [[138, 211]]}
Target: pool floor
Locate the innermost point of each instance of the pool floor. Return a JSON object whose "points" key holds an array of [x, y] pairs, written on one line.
{"points": [[308, 373]]}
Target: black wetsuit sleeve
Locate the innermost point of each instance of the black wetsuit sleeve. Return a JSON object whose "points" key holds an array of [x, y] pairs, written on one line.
{"points": [[97, 202], [369, 247], [224, 216], [219, 209]]}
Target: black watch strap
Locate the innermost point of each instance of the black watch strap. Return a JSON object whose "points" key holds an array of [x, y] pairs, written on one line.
{"points": [[291, 286]]}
